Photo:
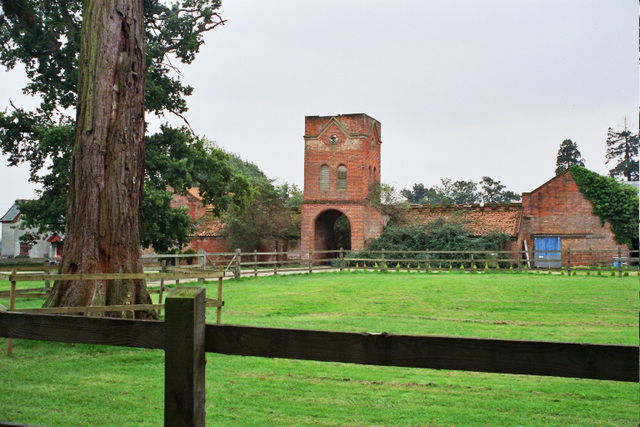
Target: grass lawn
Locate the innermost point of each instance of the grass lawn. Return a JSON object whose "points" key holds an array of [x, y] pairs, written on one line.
{"points": [[63, 384]]}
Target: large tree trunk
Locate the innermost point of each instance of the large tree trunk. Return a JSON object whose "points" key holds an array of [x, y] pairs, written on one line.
{"points": [[104, 206]]}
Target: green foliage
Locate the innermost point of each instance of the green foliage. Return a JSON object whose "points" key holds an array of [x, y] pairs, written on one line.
{"points": [[177, 159], [291, 194], [249, 170], [390, 202], [461, 192], [568, 155], [164, 228], [492, 192], [622, 146], [436, 236], [191, 259], [174, 158], [264, 221], [44, 37], [614, 202]]}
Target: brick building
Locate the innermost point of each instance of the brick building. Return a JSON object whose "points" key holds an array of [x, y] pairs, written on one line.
{"points": [[553, 217], [207, 236], [556, 216], [341, 162]]}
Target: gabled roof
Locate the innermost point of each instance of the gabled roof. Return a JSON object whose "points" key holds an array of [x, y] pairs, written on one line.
{"points": [[208, 225], [56, 238], [13, 213], [334, 120], [478, 220], [566, 171]]}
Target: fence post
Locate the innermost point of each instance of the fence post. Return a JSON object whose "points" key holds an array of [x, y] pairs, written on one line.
{"points": [[341, 259], [202, 258], [12, 305], [428, 266], [310, 261], [619, 262], [184, 366], [255, 263], [163, 269], [47, 284], [201, 254], [236, 272], [219, 311], [569, 262]]}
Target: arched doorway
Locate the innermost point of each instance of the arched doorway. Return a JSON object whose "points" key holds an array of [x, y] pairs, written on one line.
{"points": [[332, 232]]}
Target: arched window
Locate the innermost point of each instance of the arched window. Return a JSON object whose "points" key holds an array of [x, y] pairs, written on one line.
{"points": [[342, 178], [324, 178]]}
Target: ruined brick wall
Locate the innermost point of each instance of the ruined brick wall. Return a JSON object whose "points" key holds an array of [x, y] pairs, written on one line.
{"points": [[558, 208], [350, 143], [191, 201], [209, 244]]}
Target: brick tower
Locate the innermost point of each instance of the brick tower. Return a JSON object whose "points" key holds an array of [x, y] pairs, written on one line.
{"points": [[341, 162]]}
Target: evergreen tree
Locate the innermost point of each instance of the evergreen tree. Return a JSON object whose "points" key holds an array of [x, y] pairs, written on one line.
{"points": [[622, 147], [45, 38], [568, 155], [108, 60]]}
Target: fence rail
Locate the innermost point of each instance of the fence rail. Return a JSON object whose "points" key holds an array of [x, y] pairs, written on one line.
{"points": [[255, 263], [185, 337]]}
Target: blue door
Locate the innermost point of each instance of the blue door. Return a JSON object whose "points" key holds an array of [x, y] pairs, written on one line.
{"points": [[547, 252]]}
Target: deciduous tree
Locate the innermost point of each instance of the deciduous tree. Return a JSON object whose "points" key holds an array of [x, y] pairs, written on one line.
{"points": [[461, 192], [492, 192]]}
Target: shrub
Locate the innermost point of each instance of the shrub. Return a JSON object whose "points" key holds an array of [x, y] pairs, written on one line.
{"points": [[191, 259], [436, 236], [612, 201]]}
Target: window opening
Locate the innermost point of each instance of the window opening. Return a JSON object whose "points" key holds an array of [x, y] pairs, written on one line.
{"points": [[324, 178], [342, 177]]}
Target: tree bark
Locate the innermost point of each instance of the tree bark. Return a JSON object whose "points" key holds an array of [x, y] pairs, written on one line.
{"points": [[104, 206]]}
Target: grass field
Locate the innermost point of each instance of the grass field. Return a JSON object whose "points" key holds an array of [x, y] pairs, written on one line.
{"points": [[62, 384]]}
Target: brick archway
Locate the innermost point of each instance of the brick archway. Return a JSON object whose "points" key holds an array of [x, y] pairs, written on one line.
{"points": [[326, 233]]}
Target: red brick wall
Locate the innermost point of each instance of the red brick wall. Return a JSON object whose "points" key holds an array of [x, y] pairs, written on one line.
{"points": [[352, 140], [196, 209], [558, 208], [210, 244], [357, 147]]}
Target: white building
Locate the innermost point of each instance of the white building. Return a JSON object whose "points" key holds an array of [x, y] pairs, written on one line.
{"points": [[11, 232]]}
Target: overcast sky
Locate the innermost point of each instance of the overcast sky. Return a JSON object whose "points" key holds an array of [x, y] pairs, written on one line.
{"points": [[463, 89]]}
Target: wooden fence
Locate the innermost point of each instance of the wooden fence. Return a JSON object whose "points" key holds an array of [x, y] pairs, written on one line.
{"points": [[185, 338], [27, 275], [255, 263]]}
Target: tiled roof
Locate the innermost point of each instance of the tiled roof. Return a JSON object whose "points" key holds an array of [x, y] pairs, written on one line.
{"points": [[13, 212], [479, 220], [208, 225], [195, 192]]}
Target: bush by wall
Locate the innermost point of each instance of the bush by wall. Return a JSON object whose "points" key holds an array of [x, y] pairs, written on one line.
{"points": [[613, 201]]}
